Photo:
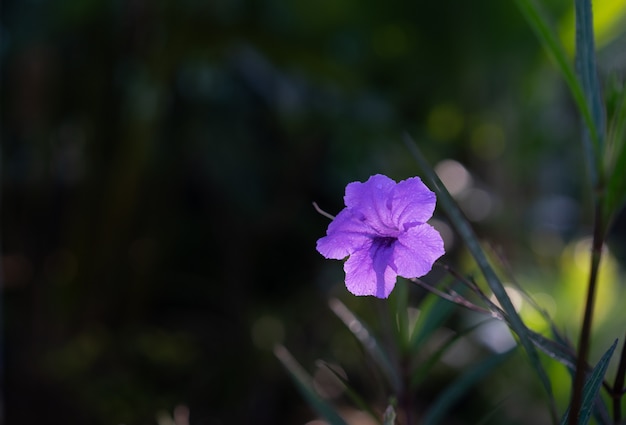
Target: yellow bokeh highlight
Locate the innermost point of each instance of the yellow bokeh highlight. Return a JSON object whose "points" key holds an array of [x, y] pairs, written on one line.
{"points": [[487, 141], [534, 318], [445, 122], [609, 21], [572, 290]]}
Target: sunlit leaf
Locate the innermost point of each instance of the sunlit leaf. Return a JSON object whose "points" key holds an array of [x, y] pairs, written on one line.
{"points": [[609, 21], [592, 388]]}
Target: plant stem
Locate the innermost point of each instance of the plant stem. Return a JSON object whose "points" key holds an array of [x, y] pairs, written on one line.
{"points": [[585, 334], [618, 386]]}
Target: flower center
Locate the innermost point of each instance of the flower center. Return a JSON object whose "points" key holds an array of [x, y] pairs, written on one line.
{"points": [[384, 241]]}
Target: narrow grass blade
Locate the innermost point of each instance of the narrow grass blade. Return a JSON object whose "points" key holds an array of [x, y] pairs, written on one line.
{"points": [[616, 150], [303, 382], [555, 49], [464, 229], [399, 308], [434, 311], [458, 388], [600, 411], [588, 71], [559, 352], [420, 373], [351, 393], [491, 414], [368, 341], [592, 388]]}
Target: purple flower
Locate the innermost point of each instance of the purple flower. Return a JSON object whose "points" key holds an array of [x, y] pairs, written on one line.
{"points": [[384, 233]]}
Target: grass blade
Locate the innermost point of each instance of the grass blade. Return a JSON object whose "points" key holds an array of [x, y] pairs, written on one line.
{"points": [[616, 157], [368, 341], [454, 392], [420, 373], [592, 388], [434, 312], [588, 71], [559, 352], [464, 229], [350, 392], [399, 300], [303, 382], [555, 49]]}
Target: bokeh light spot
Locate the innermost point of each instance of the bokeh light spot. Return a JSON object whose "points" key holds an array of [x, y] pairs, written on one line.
{"points": [[477, 204], [454, 176], [496, 335], [546, 243], [445, 122], [516, 298], [445, 231], [487, 141]]}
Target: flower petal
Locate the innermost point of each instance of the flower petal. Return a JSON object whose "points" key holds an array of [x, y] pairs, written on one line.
{"points": [[411, 202], [368, 271], [345, 234], [416, 250], [372, 200]]}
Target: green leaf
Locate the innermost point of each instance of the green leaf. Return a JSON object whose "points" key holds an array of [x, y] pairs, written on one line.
{"points": [[587, 69], [422, 371], [446, 401], [616, 158], [466, 233], [434, 311], [592, 388], [368, 341], [599, 411], [561, 350], [350, 392], [399, 303], [550, 42], [555, 350], [303, 382]]}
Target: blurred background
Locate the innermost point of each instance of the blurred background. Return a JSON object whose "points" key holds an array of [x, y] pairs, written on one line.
{"points": [[159, 164]]}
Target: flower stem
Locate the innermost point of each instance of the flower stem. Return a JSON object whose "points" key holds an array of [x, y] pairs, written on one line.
{"points": [[585, 334]]}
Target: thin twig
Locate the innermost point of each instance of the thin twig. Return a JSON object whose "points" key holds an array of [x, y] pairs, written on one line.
{"points": [[321, 211], [474, 287], [457, 299]]}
